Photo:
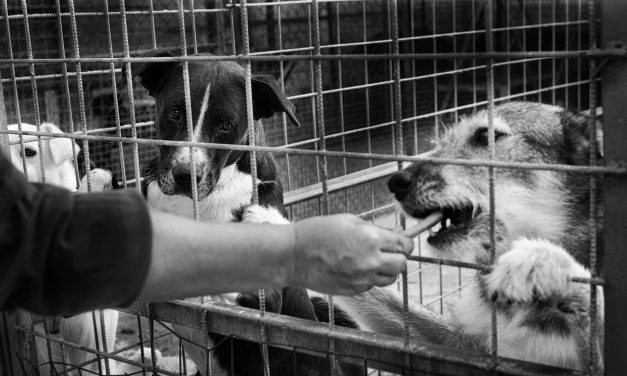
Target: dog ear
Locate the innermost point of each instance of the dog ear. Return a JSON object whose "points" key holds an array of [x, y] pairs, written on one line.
{"points": [[60, 148], [150, 73], [576, 131], [268, 99]]}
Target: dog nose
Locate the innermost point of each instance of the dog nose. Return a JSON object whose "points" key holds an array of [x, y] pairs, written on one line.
{"points": [[399, 184], [182, 175]]}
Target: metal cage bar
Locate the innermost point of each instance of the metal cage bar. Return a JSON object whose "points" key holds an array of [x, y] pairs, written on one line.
{"points": [[408, 72], [4, 137], [614, 90], [386, 350]]}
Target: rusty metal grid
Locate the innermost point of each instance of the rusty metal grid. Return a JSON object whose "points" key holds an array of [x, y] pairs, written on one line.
{"points": [[550, 55]]}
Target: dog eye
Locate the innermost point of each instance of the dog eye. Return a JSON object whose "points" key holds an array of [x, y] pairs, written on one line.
{"points": [[174, 115], [227, 126], [29, 152], [480, 138]]}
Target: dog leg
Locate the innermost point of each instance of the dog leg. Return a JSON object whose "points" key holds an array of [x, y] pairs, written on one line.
{"points": [[380, 310], [264, 214], [101, 180], [548, 313], [121, 368], [78, 330], [532, 270], [290, 301]]}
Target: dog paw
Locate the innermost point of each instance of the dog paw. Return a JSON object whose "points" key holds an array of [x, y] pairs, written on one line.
{"points": [[264, 214], [226, 298], [533, 270], [100, 179], [135, 355]]}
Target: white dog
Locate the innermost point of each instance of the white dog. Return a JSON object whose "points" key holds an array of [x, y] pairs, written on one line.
{"points": [[57, 155]]}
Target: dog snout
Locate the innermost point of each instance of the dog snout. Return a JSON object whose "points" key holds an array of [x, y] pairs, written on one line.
{"points": [[182, 175], [400, 184]]}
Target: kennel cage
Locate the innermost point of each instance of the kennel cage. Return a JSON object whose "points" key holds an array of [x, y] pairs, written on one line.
{"points": [[372, 80]]}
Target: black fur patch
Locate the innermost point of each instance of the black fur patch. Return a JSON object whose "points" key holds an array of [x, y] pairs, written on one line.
{"points": [[150, 175], [577, 144], [248, 361], [270, 189], [549, 319], [238, 213], [321, 308], [576, 147]]}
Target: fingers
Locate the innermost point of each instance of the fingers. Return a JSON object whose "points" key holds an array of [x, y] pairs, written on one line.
{"points": [[352, 287], [393, 242], [392, 264], [351, 257], [384, 280]]}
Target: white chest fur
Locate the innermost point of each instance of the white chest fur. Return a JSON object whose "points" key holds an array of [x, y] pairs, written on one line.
{"points": [[233, 190]]}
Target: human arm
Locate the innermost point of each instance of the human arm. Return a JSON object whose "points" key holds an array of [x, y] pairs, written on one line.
{"points": [[62, 253], [338, 254], [65, 253]]}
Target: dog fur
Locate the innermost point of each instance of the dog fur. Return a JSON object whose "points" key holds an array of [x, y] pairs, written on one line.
{"points": [[542, 239], [224, 188], [57, 155]]}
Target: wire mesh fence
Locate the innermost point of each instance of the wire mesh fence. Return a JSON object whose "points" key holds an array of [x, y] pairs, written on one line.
{"points": [[372, 81]]}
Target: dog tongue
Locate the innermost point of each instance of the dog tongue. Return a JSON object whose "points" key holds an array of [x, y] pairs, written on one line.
{"points": [[423, 224]]}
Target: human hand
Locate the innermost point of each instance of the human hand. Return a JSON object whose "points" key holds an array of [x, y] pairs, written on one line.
{"points": [[344, 255]]}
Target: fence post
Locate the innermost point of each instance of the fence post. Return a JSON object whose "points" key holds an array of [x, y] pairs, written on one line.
{"points": [[614, 33], [4, 138], [8, 335], [9, 345]]}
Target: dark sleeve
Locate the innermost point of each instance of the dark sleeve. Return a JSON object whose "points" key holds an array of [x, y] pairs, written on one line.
{"points": [[64, 253]]}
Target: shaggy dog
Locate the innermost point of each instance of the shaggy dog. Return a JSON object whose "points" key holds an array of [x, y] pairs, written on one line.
{"points": [[542, 239]]}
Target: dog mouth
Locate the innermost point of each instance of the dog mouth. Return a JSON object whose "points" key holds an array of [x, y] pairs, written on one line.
{"points": [[183, 187], [455, 222]]}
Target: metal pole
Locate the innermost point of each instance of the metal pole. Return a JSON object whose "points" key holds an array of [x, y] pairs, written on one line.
{"points": [[614, 89], [4, 138], [9, 343], [8, 336]]}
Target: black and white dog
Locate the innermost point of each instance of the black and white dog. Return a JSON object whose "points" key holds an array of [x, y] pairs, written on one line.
{"points": [[224, 189]]}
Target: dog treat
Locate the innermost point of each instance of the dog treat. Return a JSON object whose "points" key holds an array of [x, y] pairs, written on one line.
{"points": [[423, 225]]}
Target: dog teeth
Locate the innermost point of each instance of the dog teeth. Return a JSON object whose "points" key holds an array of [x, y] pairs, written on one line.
{"points": [[437, 227], [448, 222]]}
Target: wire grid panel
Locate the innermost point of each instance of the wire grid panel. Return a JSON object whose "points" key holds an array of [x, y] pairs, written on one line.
{"points": [[359, 117]]}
